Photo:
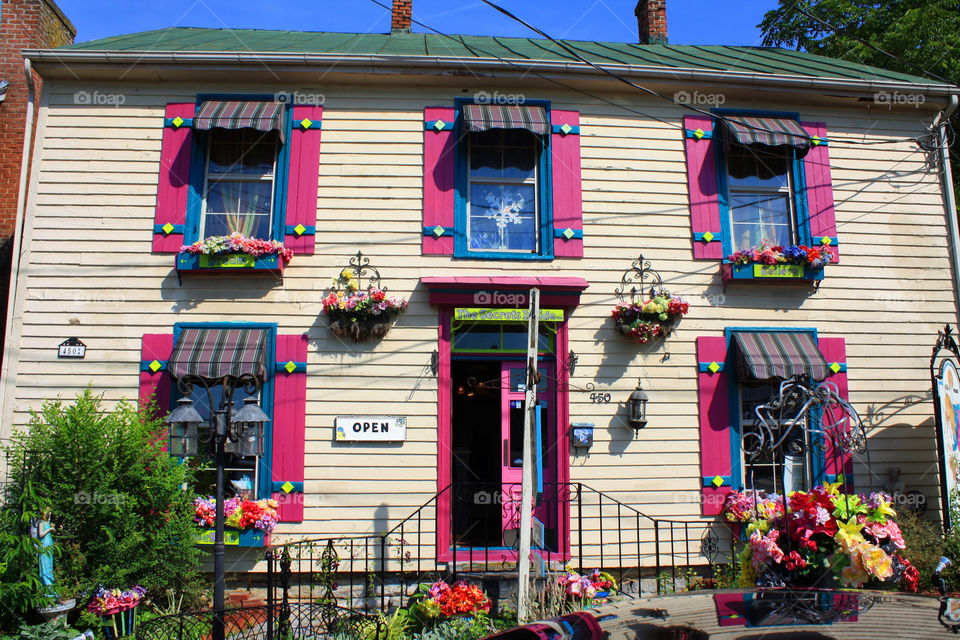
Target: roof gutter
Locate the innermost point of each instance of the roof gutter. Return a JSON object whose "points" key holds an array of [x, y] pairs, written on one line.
{"points": [[441, 64], [6, 382], [941, 124]]}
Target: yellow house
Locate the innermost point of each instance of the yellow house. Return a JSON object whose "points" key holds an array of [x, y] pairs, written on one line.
{"points": [[458, 174]]}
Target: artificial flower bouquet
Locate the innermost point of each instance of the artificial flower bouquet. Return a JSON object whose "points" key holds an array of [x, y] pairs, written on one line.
{"points": [[238, 513], [358, 314], [238, 243], [652, 319], [766, 253], [598, 584], [441, 600], [117, 609], [815, 537]]}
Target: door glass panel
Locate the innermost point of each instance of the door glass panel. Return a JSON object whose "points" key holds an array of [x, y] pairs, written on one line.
{"points": [[518, 380], [516, 432]]}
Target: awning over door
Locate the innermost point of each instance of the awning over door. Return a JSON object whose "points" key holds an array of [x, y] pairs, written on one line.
{"points": [[213, 353], [483, 117], [263, 116], [762, 355], [767, 132]]}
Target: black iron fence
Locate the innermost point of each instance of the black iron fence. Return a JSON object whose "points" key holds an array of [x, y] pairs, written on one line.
{"points": [[293, 621], [470, 530]]}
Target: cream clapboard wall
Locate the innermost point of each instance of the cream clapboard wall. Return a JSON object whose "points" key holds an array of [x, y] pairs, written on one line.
{"points": [[88, 272]]}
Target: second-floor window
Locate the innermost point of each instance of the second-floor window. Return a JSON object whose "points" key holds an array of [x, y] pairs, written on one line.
{"points": [[241, 168], [503, 211], [761, 205]]}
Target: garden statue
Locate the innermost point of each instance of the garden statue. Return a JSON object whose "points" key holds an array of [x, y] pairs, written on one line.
{"points": [[42, 529]]}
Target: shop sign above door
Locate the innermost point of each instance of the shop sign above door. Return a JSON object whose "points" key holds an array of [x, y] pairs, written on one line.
{"points": [[486, 314], [370, 428]]}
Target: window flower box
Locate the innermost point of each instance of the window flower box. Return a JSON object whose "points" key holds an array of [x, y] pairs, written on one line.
{"points": [[247, 523], [233, 538], [776, 263], [233, 254]]}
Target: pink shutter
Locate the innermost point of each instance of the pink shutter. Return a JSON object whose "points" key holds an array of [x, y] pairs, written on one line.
{"points": [[303, 180], [173, 185], [155, 384], [702, 186], [712, 390], [438, 187], [289, 426], [834, 351], [819, 189], [567, 196]]}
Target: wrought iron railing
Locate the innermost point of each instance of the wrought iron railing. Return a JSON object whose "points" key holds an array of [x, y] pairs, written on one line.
{"points": [[576, 525], [293, 621]]}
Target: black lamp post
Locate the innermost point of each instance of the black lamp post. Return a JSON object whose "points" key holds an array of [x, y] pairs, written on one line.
{"points": [[239, 432], [637, 405]]}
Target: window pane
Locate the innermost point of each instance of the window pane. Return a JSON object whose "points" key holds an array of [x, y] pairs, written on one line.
{"points": [[243, 207], [751, 167], [241, 470], [763, 471], [503, 154], [756, 217], [478, 337], [503, 217], [242, 151]]}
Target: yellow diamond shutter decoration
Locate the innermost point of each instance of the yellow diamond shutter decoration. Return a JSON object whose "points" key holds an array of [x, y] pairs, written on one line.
{"points": [[167, 229], [177, 122], [155, 366], [566, 128], [717, 481], [305, 123], [290, 366], [698, 134], [439, 125], [835, 367], [713, 367], [826, 241], [299, 229], [708, 237], [438, 231], [568, 233], [287, 486]]}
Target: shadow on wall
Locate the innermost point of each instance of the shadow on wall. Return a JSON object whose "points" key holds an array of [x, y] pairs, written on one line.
{"points": [[191, 290]]}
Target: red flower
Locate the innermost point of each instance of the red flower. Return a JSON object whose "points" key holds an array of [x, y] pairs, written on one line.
{"points": [[794, 561]]}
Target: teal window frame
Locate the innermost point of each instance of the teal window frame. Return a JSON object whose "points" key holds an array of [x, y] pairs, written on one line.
{"points": [[265, 465], [737, 461], [797, 182], [198, 169], [462, 185]]}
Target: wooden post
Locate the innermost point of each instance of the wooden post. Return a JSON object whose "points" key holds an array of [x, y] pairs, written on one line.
{"points": [[529, 458]]}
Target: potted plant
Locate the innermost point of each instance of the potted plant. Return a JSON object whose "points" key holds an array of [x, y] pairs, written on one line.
{"points": [[357, 314], [117, 609], [651, 319]]}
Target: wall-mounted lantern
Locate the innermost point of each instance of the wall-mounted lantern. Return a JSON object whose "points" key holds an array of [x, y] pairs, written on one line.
{"points": [[637, 406]]}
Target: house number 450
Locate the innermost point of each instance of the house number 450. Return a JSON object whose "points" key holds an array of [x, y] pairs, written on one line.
{"points": [[600, 398]]}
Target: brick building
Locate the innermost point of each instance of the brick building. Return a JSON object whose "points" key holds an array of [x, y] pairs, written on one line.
{"points": [[24, 24]]}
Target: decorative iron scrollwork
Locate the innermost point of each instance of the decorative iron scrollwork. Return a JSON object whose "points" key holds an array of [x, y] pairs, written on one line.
{"points": [[635, 280], [358, 269]]}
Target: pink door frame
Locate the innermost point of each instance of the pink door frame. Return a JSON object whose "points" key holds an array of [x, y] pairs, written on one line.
{"points": [[445, 438]]}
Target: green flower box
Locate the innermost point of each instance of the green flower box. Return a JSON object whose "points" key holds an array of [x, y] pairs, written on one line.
{"points": [[229, 263], [232, 538], [770, 273]]}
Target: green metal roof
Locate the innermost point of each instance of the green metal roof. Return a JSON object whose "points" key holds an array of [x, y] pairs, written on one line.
{"points": [[759, 60]]}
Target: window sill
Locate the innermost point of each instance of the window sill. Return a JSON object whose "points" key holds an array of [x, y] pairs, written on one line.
{"points": [[232, 538], [229, 263], [770, 274]]}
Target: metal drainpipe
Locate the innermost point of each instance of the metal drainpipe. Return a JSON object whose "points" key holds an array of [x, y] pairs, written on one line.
{"points": [[8, 344], [949, 200]]}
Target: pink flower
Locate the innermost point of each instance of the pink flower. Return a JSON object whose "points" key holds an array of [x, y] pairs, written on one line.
{"points": [[764, 549]]}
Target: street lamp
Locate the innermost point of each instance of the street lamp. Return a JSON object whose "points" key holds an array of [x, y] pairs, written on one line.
{"points": [[637, 404], [240, 433]]}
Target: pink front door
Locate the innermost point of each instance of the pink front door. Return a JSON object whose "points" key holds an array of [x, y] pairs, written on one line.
{"points": [[513, 408]]}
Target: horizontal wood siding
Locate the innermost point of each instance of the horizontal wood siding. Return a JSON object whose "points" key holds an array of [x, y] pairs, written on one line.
{"points": [[89, 272]]}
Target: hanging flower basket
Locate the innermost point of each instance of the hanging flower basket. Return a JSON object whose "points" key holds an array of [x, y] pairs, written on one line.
{"points": [[650, 320], [360, 314]]}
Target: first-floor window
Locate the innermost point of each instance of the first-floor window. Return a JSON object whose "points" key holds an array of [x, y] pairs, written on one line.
{"points": [[784, 469]]}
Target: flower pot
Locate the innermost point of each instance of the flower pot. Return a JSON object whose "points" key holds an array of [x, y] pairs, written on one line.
{"points": [[57, 610], [358, 330]]}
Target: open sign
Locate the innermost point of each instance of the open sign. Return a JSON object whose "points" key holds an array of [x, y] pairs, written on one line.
{"points": [[370, 428]]}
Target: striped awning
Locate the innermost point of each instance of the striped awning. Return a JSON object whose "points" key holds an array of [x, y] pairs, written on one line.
{"points": [[766, 132], [263, 116], [778, 354], [213, 353], [483, 117]]}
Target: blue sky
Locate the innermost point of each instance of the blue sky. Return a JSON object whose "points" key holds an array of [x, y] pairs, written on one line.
{"points": [[688, 21]]}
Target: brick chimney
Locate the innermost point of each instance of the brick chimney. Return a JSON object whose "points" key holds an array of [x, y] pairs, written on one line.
{"points": [[651, 20], [402, 16]]}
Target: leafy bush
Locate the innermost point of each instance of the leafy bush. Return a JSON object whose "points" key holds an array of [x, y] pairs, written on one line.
{"points": [[53, 630], [120, 515]]}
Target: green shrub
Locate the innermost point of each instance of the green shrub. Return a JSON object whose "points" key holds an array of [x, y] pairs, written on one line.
{"points": [[121, 517]]}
